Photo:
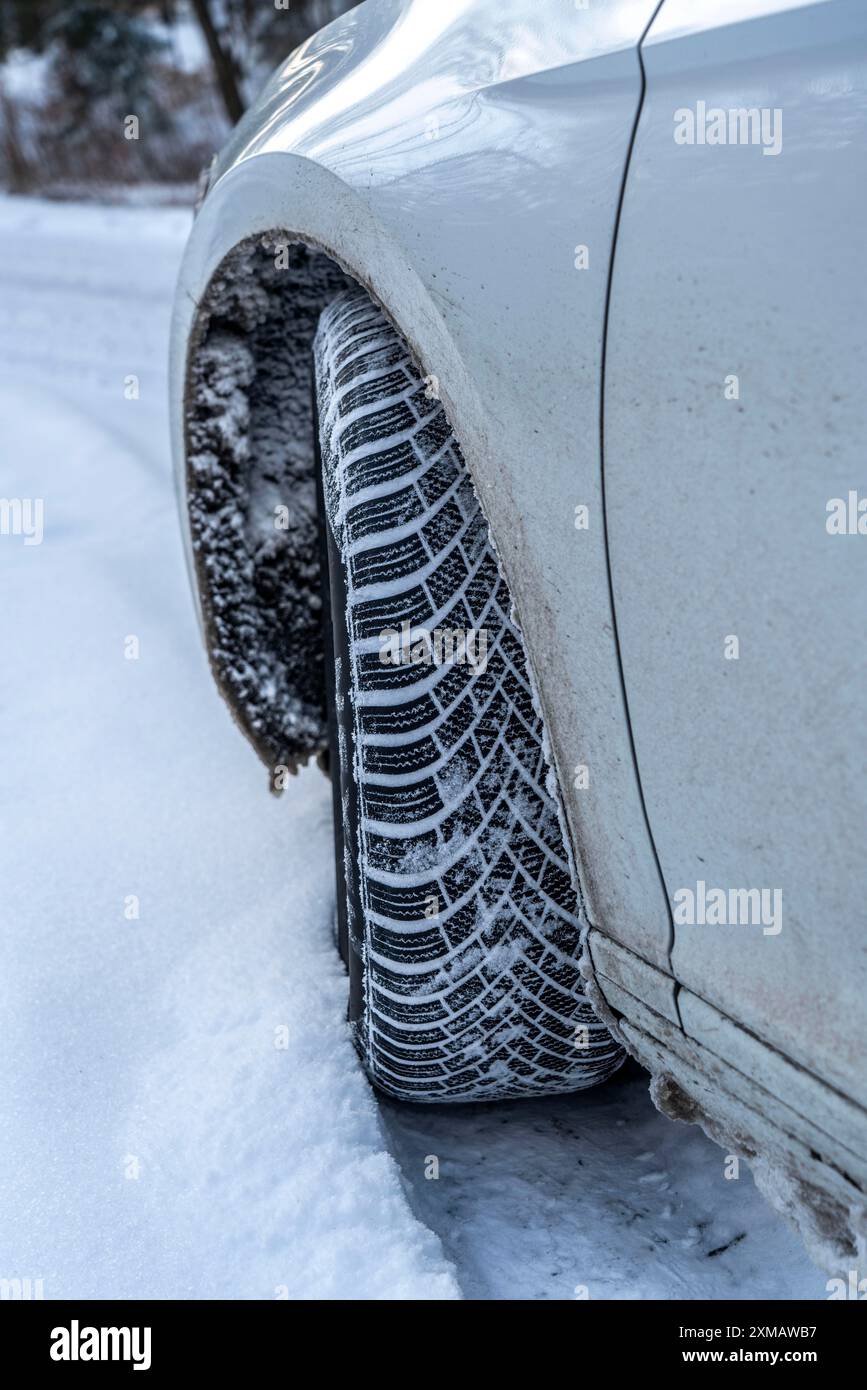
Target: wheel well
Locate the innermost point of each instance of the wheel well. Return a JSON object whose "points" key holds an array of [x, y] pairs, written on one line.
{"points": [[251, 494]]}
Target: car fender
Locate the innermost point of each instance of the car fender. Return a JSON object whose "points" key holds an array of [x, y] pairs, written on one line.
{"points": [[466, 167]]}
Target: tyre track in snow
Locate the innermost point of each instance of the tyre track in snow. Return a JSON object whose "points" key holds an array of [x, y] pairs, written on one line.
{"points": [[593, 1196]]}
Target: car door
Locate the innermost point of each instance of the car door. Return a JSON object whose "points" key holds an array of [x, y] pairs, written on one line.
{"points": [[735, 417]]}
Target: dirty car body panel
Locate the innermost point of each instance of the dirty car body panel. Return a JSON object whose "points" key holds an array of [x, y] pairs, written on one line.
{"points": [[735, 411]]}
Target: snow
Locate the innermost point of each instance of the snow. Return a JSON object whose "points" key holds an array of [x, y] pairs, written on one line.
{"points": [[24, 75], [599, 1192], [185, 39], [158, 1138], [149, 1045]]}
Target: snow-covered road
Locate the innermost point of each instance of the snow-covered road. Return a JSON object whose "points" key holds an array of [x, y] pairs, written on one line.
{"points": [[181, 1112]]}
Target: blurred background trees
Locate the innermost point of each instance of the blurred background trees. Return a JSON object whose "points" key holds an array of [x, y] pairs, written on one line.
{"points": [[72, 71]]}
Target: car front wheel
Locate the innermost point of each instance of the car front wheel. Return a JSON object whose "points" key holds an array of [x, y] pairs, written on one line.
{"points": [[457, 910]]}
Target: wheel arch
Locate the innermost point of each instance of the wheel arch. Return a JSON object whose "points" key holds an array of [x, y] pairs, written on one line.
{"points": [[233, 301], [460, 249]]}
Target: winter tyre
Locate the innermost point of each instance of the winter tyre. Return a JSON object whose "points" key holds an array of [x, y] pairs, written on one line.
{"points": [[458, 912]]}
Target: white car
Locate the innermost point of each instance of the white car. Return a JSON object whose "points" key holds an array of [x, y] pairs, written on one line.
{"points": [[520, 418]]}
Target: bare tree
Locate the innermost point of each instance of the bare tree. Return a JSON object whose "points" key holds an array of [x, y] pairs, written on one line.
{"points": [[19, 173], [225, 67], [248, 38]]}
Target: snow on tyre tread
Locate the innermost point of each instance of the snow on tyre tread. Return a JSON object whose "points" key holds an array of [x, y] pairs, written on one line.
{"points": [[483, 1000]]}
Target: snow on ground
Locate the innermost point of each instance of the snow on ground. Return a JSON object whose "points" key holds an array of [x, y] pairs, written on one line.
{"points": [[158, 1139]]}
